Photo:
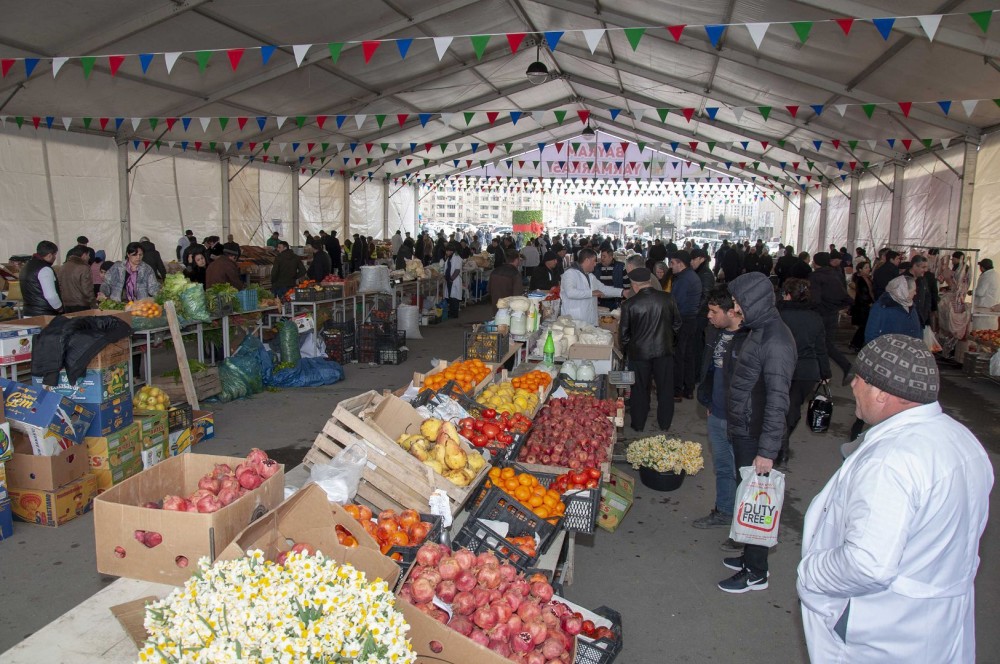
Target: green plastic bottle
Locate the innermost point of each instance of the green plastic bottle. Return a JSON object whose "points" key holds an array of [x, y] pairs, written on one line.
{"points": [[549, 350]]}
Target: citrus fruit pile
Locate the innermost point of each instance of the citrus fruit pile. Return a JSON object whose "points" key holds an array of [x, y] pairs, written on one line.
{"points": [[532, 380], [144, 309], [527, 490], [467, 373]]}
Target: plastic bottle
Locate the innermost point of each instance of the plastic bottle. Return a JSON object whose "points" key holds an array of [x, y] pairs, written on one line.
{"points": [[549, 350], [532, 319]]}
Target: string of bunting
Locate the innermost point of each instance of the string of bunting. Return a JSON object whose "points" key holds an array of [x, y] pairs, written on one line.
{"points": [[929, 23]]}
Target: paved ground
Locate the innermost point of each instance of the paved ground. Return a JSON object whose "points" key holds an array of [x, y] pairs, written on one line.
{"points": [[657, 570]]}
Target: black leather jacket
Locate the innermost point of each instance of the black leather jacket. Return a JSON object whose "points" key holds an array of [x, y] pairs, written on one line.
{"points": [[648, 324], [35, 303], [809, 333]]}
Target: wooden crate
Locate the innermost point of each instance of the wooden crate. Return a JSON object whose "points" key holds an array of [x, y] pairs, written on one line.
{"points": [[206, 384], [393, 479]]}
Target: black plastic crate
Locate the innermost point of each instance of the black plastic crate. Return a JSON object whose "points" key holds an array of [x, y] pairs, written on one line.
{"points": [[596, 388], [339, 340], [582, 505], [486, 346], [374, 338], [179, 416], [498, 505], [392, 356], [478, 537], [409, 553], [306, 294], [601, 651]]}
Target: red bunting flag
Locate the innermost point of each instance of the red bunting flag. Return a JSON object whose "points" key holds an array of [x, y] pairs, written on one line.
{"points": [[836, 143], [845, 24], [197, 146], [852, 164], [764, 144], [515, 39], [253, 146], [428, 146], [235, 55], [35, 120], [369, 48], [688, 113], [905, 107], [793, 110], [491, 146], [114, 62], [369, 146], [906, 143], [584, 116], [104, 123], [320, 121], [694, 148], [242, 122], [401, 118], [676, 30], [5, 65], [492, 116], [170, 123], [309, 147]]}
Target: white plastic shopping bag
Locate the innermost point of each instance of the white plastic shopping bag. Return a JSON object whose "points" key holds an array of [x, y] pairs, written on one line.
{"points": [[758, 507]]}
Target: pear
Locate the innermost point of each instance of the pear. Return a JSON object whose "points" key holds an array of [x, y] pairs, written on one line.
{"points": [[430, 428], [451, 431], [476, 462], [435, 465], [420, 449], [438, 453], [469, 474], [457, 477], [454, 456]]}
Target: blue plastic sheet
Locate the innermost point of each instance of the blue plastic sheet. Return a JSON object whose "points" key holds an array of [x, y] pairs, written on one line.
{"points": [[309, 372]]}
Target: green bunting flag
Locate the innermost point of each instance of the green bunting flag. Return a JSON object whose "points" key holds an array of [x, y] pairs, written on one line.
{"points": [[335, 49], [634, 35], [802, 29], [88, 65], [868, 109], [379, 119], [853, 144], [86, 123], [765, 112], [662, 112], [203, 57], [153, 122], [222, 123], [468, 117], [982, 19], [560, 116], [479, 43]]}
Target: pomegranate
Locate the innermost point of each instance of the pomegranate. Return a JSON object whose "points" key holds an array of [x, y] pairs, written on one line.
{"points": [[210, 484], [174, 503], [571, 624], [464, 604], [423, 590], [461, 624], [541, 590], [228, 496], [484, 617], [429, 555], [489, 577], [479, 636], [268, 469], [449, 568], [304, 549], [249, 479], [465, 558], [209, 504], [257, 456], [446, 591], [465, 581]]}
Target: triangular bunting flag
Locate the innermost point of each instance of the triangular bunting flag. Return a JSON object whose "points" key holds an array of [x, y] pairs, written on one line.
{"points": [[114, 64], [57, 64], [446, 118], [335, 49], [359, 120], [320, 121], [712, 111], [841, 108], [401, 119], [802, 29], [982, 19], [792, 110], [404, 47], [817, 109], [222, 123], [423, 117], [300, 51], [441, 45], [969, 105], [663, 112], [634, 36], [905, 107], [368, 48], [68, 121], [928, 142], [203, 57], [300, 121], [170, 123], [714, 33], [845, 25], [637, 114], [491, 116], [930, 25], [584, 116], [479, 43], [552, 39], [884, 26], [593, 38], [515, 116], [765, 112], [170, 59], [242, 122], [560, 115], [379, 119], [945, 142], [738, 112], [152, 123], [688, 113], [906, 143], [868, 109], [514, 40], [235, 55], [676, 30], [88, 65], [945, 106], [614, 112], [135, 123], [266, 52], [757, 32], [261, 122], [5, 66], [468, 117]]}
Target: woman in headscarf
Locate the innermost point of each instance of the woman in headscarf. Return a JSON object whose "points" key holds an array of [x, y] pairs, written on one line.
{"points": [[894, 312]]}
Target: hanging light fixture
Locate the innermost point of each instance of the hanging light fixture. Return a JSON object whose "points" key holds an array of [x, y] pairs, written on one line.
{"points": [[588, 131], [537, 72]]}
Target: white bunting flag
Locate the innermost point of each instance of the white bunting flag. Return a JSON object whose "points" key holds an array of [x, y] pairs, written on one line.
{"points": [[446, 118], [441, 45], [281, 120], [872, 144], [637, 114], [945, 142], [738, 112], [593, 38], [226, 146], [57, 64], [969, 105], [135, 123], [757, 32], [539, 117], [204, 122], [67, 122], [841, 108], [300, 51], [282, 146], [171, 59], [359, 120], [930, 24]]}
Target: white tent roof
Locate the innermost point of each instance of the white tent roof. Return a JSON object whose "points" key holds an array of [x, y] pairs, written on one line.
{"points": [[715, 97]]}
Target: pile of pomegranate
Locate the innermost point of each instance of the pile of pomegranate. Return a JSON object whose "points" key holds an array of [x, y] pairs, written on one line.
{"points": [[222, 486], [493, 604], [572, 433]]}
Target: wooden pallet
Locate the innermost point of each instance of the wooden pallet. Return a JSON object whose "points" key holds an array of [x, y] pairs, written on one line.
{"points": [[393, 479]]}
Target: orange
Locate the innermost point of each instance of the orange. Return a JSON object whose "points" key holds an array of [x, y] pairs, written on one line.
{"points": [[507, 473], [522, 493], [549, 501], [560, 509], [542, 512], [510, 485], [552, 493], [538, 490], [494, 473], [524, 479], [535, 501]]}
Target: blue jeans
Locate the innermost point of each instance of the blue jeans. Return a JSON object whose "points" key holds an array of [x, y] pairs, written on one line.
{"points": [[724, 465]]}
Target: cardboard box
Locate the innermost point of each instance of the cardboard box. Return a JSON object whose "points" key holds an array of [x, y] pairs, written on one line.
{"points": [[111, 416], [113, 354], [120, 448], [109, 477], [155, 449], [51, 422], [6, 444], [95, 386], [45, 473], [152, 421], [179, 441], [6, 520], [203, 426], [118, 513], [54, 508], [605, 358], [15, 342], [617, 495], [3, 482], [43, 321]]}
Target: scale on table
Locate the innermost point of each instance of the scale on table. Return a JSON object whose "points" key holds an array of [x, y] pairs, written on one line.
{"points": [[621, 378]]}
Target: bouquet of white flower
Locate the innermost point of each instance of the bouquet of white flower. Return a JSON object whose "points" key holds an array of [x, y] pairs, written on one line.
{"points": [[664, 454], [311, 609]]}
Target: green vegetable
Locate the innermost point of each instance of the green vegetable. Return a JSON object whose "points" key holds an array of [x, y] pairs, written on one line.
{"points": [[194, 365], [111, 305]]}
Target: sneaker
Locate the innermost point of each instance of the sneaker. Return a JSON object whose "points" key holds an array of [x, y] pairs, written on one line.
{"points": [[731, 546], [743, 581], [735, 564], [715, 519]]}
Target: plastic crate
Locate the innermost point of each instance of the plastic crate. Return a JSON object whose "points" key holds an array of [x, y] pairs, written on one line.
{"points": [[498, 505], [409, 553], [582, 505], [373, 339], [601, 651], [596, 388], [249, 299], [478, 537], [180, 416], [486, 346], [339, 340], [306, 294], [392, 356]]}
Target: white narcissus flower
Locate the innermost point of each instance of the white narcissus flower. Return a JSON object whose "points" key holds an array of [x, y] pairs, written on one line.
{"points": [[254, 610], [664, 454]]}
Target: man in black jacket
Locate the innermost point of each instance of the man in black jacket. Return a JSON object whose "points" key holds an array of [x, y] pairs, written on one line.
{"points": [[649, 322], [885, 273], [829, 295], [923, 299], [758, 404], [332, 246], [39, 286], [152, 258], [321, 265], [699, 263], [783, 268]]}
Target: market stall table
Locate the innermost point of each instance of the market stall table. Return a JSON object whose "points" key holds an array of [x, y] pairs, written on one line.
{"points": [[258, 328], [196, 329]]}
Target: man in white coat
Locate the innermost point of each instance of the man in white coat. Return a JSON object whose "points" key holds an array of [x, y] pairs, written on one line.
{"points": [[890, 545], [579, 289]]}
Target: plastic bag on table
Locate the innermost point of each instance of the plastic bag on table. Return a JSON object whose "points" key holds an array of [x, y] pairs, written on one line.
{"points": [[195, 305], [309, 372], [340, 476], [288, 342]]}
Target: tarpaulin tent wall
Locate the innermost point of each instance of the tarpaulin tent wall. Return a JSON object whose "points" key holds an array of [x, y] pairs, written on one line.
{"points": [[259, 194], [838, 207], [984, 232], [810, 233], [875, 208], [367, 199], [321, 205], [931, 195], [402, 209]]}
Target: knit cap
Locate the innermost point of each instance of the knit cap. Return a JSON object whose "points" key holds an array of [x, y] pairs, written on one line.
{"points": [[900, 365]]}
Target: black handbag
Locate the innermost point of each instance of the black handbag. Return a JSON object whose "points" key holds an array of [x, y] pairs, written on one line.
{"points": [[821, 409]]}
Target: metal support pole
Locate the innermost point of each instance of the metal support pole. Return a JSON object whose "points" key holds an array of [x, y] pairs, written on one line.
{"points": [[801, 234], [227, 223], [852, 212], [385, 209], [124, 214], [295, 205], [896, 212], [823, 201], [963, 226], [347, 207]]}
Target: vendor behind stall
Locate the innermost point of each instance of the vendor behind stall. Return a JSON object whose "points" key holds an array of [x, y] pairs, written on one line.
{"points": [[223, 270], [580, 289], [545, 276], [505, 281], [130, 279]]}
